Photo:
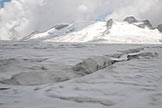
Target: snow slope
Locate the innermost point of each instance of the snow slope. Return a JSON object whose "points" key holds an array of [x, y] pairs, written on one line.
{"points": [[117, 32], [89, 33], [122, 32], [57, 30]]}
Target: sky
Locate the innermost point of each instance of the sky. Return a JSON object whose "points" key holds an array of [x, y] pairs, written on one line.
{"points": [[19, 18], [2, 2]]}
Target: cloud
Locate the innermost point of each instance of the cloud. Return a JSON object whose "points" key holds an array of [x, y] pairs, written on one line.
{"points": [[19, 18], [83, 8], [142, 9]]}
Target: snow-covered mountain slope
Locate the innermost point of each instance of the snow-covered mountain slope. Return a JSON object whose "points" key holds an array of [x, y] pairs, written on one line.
{"points": [[57, 30], [122, 32], [89, 33], [128, 31]]}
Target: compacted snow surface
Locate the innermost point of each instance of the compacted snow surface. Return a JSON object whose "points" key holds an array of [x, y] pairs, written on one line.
{"points": [[73, 75]]}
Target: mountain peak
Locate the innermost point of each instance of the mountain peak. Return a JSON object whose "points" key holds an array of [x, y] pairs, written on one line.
{"points": [[141, 24], [131, 19]]}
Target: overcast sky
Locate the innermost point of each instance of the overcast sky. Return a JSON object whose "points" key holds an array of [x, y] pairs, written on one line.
{"points": [[21, 17]]}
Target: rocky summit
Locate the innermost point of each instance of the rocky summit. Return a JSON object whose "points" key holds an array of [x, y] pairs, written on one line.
{"points": [[131, 19], [145, 23]]}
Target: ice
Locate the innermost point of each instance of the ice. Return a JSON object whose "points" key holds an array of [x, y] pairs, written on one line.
{"points": [[87, 66], [75, 75]]}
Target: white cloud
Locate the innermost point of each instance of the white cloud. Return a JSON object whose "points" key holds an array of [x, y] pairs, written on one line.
{"points": [[21, 17], [142, 9], [83, 8]]}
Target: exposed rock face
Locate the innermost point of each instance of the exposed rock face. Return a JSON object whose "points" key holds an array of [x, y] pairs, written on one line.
{"points": [[109, 23], [160, 28], [131, 19], [146, 23], [60, 26]]}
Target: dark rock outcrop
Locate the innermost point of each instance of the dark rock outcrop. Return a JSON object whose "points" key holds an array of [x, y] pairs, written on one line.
{"points": [[60, 26], [131, 19], [109, 23], [160, 28], [146, 23]]}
